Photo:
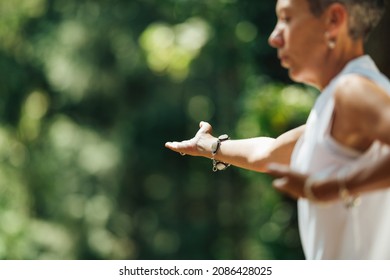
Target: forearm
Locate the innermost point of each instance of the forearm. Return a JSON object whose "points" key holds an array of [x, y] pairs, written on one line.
{"points": [[251, 154], [256, 153], [372, 177]]}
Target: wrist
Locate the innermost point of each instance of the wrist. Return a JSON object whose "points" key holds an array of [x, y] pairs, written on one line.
{"points": [[320, 191], [215, 147], [348, 198], [203, 146], [308, 189]]}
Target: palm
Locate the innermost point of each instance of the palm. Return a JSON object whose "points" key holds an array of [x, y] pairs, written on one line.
{"points": [[196, 146]]}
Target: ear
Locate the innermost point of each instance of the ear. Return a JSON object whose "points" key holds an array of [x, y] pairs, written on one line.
{"points": [[336, 19]]}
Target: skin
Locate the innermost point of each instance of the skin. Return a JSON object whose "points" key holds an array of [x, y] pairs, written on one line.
{"points": [[358, 104]]}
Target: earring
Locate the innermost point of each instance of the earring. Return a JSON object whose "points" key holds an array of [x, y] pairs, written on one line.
{"points": [[331, 44]]}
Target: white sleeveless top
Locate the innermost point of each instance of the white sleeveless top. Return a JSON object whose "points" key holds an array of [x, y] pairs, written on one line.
{"points": [[332, 231]]}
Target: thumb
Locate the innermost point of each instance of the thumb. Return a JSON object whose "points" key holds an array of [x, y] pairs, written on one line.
{"points": [[280, 183], [277, 170], [205, 127]]}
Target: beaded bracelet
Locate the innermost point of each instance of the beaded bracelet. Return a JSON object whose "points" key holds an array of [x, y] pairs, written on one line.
{"points": [[218, 165]]}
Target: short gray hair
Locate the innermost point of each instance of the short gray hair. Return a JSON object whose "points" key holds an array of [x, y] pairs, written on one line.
{"points": [[364, 15]]}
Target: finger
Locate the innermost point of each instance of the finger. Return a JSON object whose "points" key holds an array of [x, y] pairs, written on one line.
{"points": [[175, 146], [170, 145], [282, 185], [204, 127], [278, 170], [180, 147], [202, 123]]}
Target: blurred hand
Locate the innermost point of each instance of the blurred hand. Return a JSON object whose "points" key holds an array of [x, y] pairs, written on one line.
{"points": [[288, 181], [292, 183], [199, 145]]}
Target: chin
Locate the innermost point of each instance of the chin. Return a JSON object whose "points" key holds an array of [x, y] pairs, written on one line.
{"points": [[294, 75], [299, 77]]}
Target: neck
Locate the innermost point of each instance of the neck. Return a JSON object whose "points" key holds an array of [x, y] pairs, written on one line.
{"points": [[336, 60]]}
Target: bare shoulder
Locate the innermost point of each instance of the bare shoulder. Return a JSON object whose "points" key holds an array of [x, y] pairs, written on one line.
{"points": [[353, 86], [360, 103]]}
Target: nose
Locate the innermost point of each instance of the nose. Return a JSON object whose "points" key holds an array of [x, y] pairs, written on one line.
{"points": [[276, 38]]}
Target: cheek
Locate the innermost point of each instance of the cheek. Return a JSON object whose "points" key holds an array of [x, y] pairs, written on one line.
{"points": [[306, 41], [309, 48], [305, 37]]}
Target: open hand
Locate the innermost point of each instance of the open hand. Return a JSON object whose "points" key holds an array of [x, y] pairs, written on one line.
{"points": [[199, 145]]}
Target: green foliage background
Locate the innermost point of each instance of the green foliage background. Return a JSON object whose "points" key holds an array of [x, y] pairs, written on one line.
{"points": [[91, 90]]}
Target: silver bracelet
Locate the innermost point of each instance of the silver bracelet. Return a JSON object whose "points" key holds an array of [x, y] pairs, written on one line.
{"points": [[218, 165], [349, 200]]}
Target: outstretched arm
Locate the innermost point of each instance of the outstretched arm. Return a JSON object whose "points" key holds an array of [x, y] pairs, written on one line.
{"points": [[252, 153]]}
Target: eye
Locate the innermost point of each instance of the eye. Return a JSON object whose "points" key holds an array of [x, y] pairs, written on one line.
{"points": [[285, 19]]}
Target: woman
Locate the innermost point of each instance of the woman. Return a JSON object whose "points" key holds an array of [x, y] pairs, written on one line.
{"points": [[335, 165]]}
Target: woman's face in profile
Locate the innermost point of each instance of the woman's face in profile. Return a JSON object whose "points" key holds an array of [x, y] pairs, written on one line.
{"points": [[299, 38]]}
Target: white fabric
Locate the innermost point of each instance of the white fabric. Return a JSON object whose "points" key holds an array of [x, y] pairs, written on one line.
{"points": [[331, 231]]}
